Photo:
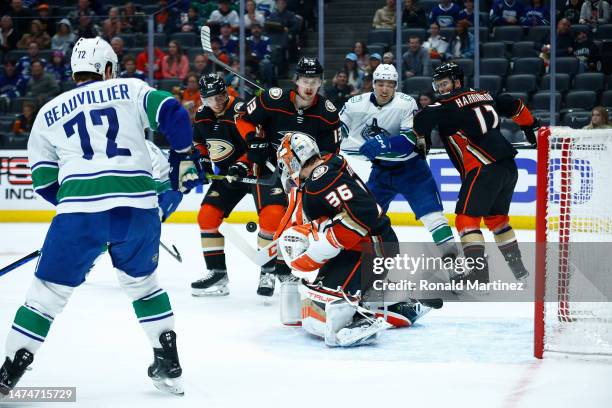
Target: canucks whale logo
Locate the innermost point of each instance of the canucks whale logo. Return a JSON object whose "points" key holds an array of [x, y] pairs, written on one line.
{"points": [[370, 131]]}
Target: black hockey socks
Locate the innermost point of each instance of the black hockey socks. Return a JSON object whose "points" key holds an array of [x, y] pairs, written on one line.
{"points": [[508, 246]]}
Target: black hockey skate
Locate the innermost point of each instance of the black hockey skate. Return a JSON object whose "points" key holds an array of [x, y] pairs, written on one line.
{"points": [[414, 309], [267, 281], [520, 272], [215, 284], [166, 370], [11, 371]]}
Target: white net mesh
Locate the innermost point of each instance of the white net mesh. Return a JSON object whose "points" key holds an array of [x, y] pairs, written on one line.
{"points": [[577, 313]]}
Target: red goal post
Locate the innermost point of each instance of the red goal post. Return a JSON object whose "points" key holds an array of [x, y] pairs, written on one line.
{"points": [[573, 223]]}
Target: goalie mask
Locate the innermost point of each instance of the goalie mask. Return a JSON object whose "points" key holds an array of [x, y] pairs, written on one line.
{"points": [[294, 150]]}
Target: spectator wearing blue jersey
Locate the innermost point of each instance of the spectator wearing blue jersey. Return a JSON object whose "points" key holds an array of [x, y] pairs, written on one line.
{"points": [[12, 83], [446, 14], [467, 13], [58, 67], [129, 62], [229, 42], [507, 12], [536, 14], [24, 63], [260, 52]]}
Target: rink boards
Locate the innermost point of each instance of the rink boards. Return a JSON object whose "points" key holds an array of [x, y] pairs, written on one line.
{"points": [[19, 203]]}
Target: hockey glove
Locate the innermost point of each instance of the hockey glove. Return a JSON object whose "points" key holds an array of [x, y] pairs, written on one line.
{"points": [[375, 146], [186, 171], [422, 148], [258, 149], [530, 132], [380, 145], [205, 161], [168, 202], [235, 171]]}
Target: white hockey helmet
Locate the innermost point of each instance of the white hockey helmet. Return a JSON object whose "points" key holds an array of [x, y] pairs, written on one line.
{"points": [[294, 150], [92, 55], [385, 72]]}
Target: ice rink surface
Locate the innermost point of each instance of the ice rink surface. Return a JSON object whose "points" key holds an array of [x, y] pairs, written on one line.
{"points": [[235, 353]]}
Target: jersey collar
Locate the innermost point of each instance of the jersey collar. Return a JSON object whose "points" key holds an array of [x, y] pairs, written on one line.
{"points": [[375, 102], [293, 94], [86, 83]]}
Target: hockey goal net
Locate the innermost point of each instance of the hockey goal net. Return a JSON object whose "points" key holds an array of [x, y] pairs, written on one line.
{"points": [[573, 312]]}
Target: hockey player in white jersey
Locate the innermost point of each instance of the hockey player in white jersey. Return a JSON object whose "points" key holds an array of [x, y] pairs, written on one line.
{"points": [[372, 123], [88, 157]]}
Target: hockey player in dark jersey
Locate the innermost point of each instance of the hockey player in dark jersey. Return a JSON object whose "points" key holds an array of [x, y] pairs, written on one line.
{"points": [[323, 245], [265, 119], [215, 134], [468, 123]]}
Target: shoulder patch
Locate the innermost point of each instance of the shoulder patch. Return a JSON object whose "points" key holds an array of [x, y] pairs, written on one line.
{"points": [[330, 106], [356, 98], [238, 106], [319, 171], [275, 93], [201, 108]]}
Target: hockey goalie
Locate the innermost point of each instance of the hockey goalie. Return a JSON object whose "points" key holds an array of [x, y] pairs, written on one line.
{"points": [[326, 295]]}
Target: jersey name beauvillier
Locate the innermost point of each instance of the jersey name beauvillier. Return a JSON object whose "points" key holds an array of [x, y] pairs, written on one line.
{"points": [[91, 141], [361, 113]]}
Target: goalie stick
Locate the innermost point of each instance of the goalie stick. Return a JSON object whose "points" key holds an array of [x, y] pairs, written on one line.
{"points": [[205, 39], [258, 256]]}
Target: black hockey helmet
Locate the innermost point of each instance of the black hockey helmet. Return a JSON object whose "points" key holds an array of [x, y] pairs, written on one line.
{"points": [[211, 85], [309, 67], [448, 70]]}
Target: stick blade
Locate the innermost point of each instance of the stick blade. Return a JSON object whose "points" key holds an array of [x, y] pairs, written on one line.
{"points": [[205, 38]]}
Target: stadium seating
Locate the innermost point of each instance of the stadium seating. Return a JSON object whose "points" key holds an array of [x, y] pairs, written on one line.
{"points": [[524, 49], [492, 83], [493, 50], [562, 82], [494, 66], [510, 34], [606, 98], [467, 65], [541, 101], [589, 81], [576, 120], [416, 84], [604, 32], [409, 32], [521, 83], [381, 36], [581, 100], [528, 66], [567, 65]]}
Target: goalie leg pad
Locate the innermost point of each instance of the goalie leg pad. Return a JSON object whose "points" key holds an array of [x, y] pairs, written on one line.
{"points": [[314, 299], [290, 302], [339, 314]]}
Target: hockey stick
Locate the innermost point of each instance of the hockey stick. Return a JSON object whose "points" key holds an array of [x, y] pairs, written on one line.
{"points": [[175, 253], [19, 262], [258, 256], [268, 181], [205, 39], [35, 254]]}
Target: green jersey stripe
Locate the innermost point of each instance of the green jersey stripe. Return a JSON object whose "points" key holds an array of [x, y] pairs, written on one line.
{"points": [[43, 176], [155, 99], [105, 185]]}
